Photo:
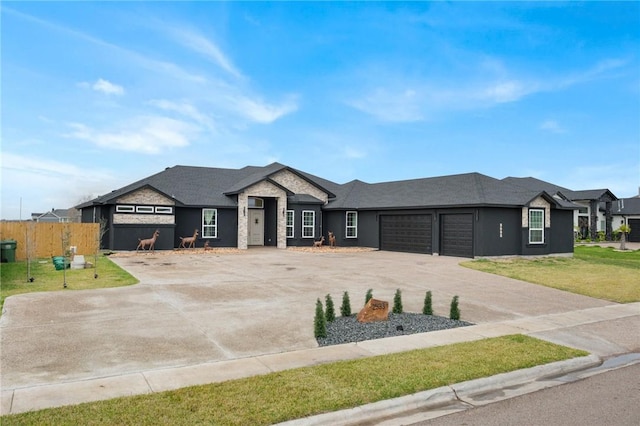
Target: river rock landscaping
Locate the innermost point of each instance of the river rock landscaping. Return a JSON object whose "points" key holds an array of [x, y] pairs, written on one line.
{"points": [[349, 330]]}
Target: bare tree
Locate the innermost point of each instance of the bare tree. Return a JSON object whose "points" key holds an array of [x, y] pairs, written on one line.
{"points": [[102, 230]]}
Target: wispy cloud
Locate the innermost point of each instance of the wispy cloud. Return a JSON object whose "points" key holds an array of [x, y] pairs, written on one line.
{"points": [[552, 126], [146, 135], [104, 86], [185, 109], [259, 111], [195, 41]]}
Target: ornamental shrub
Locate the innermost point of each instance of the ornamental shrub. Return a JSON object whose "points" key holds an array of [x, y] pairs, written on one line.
{"points": [[454, 312], [427, 309], [368, 296], [345, 308], [330, 312], [397, 302], [319, 322]]}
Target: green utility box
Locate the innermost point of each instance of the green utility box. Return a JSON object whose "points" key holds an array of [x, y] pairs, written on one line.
{"points": [[8, 250]]}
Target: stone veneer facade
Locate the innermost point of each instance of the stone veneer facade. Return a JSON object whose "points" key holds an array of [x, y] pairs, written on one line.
{"points": [[145, 197], [262, 189]]}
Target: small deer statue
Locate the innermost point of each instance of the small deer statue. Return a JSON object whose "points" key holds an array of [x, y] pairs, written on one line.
{"points": [[151, 242], [189, 240], [332, 240]]}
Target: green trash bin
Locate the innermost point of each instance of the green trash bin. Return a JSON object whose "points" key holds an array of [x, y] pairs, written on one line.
{"points": [[8, 250]]}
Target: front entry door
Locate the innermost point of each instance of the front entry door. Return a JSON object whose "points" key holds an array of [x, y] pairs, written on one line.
{"points": [[256, 227]]}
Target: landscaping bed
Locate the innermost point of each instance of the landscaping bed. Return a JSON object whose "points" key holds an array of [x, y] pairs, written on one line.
{"points": [[349, 330]]}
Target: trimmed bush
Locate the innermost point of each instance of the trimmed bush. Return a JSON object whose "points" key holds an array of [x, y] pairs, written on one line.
{"points": [[319, 322], [454, 312], [397, 302], [427, 309], [368, 296], [330, 312], [345, 308]]}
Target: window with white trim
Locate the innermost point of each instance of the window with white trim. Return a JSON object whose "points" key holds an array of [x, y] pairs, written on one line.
{"points": [[352, 225], [290, 223], [144, 209], [125, 209], [308, 223], [536, 226], [209, 223], [164, 209]]}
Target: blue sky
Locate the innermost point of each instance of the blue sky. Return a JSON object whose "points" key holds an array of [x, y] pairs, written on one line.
{"points": [[98, 95]]}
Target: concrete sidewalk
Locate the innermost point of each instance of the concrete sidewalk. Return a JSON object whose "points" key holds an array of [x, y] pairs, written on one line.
{"points": [[604, 331]]}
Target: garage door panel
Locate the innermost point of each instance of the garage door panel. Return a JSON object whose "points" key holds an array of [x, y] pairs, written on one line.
{"points": [[634, 235], [456, 235], [407, 233]]}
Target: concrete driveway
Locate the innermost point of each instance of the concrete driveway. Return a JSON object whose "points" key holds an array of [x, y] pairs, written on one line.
{"points": [[193, 308]]}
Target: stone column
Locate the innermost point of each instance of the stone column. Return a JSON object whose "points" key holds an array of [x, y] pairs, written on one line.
{"points": [[609, 220], [593, 220], [243, 222]]}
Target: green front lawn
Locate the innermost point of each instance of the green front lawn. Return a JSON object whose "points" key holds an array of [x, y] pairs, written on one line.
{"points": [[603, 273], [14, 279], [292, 394]]}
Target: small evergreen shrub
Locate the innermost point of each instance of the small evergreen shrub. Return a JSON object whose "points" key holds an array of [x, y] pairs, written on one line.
{"points": [[427, 309], [397, 302], [319, 322], [345, 308], [368, 296], [454, 312], [330, 312]]}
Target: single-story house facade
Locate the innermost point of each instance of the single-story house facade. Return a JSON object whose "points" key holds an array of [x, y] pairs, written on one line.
{"points": [[466, 215], [626, 211], [595, 206]]}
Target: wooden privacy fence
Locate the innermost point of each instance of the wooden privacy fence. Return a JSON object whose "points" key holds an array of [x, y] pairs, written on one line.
{"points": [[44, 240]]}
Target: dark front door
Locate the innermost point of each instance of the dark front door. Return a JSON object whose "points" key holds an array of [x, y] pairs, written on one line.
{"points": [[456, 235], [634, 235], [409, 233]]}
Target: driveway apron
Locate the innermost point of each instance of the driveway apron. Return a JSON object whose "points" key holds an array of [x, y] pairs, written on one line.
{"points": [[196, 307]]}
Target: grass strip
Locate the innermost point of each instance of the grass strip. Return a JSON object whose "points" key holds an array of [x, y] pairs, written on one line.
{"points": [[291, 394], [13, 277], [603, 273]]}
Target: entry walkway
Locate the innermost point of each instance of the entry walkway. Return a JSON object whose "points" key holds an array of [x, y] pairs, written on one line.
{"points": [[604, 331]]}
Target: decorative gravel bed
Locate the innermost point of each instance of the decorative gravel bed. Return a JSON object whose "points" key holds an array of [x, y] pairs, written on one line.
{"points": [[348, 329]]}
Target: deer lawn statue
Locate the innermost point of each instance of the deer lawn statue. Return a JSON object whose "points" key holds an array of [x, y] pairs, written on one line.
{"points": [[151, 242], [189, 240]]}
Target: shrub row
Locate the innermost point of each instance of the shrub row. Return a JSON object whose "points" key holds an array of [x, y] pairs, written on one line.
{"points": [[323, 316]]}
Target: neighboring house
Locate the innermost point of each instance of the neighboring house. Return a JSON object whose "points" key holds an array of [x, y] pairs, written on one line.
{"points": [[627, 211], [468, 215], [595, 206], [57, 216]]}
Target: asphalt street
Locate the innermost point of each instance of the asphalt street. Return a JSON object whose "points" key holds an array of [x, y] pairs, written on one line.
{"points": [[611, 398]]}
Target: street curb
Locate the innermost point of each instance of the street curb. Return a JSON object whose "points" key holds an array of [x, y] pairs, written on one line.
{"points": [[445, 395]]}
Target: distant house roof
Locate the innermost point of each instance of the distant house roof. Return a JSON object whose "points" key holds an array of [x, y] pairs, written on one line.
{"points": [[626, 206], [57, 215], [583, 195]]}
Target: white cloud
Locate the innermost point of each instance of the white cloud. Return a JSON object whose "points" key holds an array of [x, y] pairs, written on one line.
{"points": [[146, 134], [392, 105], [34, 184], [185, 109], [202, 45], [259, 111], [552, 126], [107, 87], [354, 153]]}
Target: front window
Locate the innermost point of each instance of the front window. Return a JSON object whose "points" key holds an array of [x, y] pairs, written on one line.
{"points": [[352, 225], [290, 228], [209, 223], [308, 223], [536, 226]]}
